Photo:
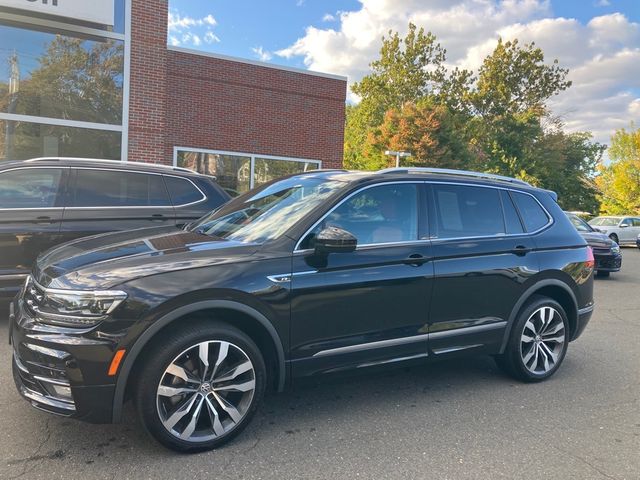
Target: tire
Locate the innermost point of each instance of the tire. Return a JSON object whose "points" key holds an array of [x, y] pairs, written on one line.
{"points": [[614, 237], [185, 413], [602, 274], [520, 358]]}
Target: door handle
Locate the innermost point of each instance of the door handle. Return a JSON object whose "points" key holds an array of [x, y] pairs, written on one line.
{"points": [[157, 216], [415, 260], [521, 250], [43, 219]]}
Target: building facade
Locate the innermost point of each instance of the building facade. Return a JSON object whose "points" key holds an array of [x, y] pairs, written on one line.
{"points": [[97, 79]]}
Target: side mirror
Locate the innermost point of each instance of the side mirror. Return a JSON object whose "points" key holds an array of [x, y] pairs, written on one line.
{"points": [[624, 225], [335, 240]]}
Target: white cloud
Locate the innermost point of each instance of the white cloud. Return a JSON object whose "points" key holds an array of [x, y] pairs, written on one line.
{"points": [[186, 30], [602, 3], [328, 18], [262, 54], [603, 55]]}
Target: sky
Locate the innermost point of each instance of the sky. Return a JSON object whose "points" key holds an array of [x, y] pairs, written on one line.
{"points": [[598, 40]]}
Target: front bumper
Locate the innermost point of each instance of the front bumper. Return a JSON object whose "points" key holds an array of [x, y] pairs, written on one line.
{"points": [[608, 262], [47, 373]]}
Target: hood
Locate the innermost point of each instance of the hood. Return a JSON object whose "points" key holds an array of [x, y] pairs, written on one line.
{"points": [[597, 239], [104, 261]]}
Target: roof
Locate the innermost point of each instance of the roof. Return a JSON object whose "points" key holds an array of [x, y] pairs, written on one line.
{"points": [[92, 162]]}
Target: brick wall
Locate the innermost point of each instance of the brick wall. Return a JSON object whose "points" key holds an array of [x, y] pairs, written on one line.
{"points": [[192, 100]]}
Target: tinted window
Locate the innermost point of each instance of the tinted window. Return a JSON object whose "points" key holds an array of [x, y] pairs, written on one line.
{"points": [[30, 188], [511, 219], [107, 188], [531, 212], [580, 224], [626, 221], [467, 211], [182, 191], [636, 222], [383, 214]]}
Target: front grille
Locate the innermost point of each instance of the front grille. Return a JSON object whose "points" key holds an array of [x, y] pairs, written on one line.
{"points": [[32, 296], [608, 262]]}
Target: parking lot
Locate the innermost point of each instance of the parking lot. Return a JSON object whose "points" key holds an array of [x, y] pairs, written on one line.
{"points": [[454, 420]]}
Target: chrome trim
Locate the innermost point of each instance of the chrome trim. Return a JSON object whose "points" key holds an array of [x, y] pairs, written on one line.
{"points": [[286, 277], [393, 360], [366, 187], [38, 398], [53, 381], [21, 366], [440, 351], [451, 171], [368, 346], [16, 276], [466, 330], [118, 162], [586, 310], [49, 352]]}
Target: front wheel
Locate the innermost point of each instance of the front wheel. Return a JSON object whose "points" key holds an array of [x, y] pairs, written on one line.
{"points": [[538, 341], [614, 237], [200, 386]]}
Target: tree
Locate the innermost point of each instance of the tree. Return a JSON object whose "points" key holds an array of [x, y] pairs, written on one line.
{"points": [[619, 182]]}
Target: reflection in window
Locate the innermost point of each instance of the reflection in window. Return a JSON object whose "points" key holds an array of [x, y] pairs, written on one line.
{"points": [[23, 140], [267, 169], [232, 172], [61, 76], [105, 188], [30, 188]]}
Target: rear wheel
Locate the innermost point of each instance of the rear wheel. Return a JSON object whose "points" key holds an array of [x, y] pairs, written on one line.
{"points": [[200, 387], [538, 341]]}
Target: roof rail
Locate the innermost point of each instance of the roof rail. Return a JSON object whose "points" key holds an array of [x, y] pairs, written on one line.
{"points": [[448, 171], [119, 162]]}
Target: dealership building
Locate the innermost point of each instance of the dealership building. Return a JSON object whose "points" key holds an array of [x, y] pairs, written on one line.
{"points": [[96, 79]]}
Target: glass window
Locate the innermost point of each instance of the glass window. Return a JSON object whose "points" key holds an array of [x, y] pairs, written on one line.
{"points": [[532, 214], [59, 76], [467, 211], [107, 188], [605, 221], [382, 214], [232, 172], [626, 221], [30, 188], [636, 222], [267, 169], [270, 210], [23, 140], [579, 223], [182, 191], [511, 219]]}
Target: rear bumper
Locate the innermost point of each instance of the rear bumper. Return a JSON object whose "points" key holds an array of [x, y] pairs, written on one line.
{"points": [[584, 315]]}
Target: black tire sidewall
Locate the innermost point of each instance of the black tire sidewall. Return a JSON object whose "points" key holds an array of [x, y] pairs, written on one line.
{"points": [[164, 352], [513, 356]]}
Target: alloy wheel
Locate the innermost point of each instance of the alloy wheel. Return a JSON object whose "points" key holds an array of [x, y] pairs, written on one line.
{"points": [[542, 340], [206, 391]]}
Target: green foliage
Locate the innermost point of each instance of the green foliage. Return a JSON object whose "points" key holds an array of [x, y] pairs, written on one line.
{"points": [[496, 120], [619, 182]]}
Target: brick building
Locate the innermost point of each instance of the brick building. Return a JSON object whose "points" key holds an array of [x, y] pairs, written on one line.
{"points": [[241, 120]]}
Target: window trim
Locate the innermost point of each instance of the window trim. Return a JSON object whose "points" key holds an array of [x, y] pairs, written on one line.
{"points": [[171, 205], [368, 245], [252, 159], [31, 168]]}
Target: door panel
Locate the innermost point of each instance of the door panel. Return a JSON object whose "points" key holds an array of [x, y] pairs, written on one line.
{"points": [[31, 208]]}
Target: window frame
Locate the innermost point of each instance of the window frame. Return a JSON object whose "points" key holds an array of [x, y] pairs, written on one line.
{"points": [[421, 214], [433, 212], [61, 197], [252, 159], [72, 186]]}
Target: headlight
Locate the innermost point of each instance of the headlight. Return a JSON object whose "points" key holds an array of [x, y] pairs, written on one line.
{"points": [[615, 248], [71, 308]]}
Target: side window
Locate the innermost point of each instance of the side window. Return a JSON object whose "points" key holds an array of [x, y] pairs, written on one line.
{"points": [[463, 211], [107, 188], [626, 221], [382, 214], [182, 191], [511, 218], [532, 213], [636, 222], [30, 188]]}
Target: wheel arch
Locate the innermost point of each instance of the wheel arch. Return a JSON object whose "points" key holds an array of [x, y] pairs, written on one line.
{"points": [[167, 320], [552, 288]]}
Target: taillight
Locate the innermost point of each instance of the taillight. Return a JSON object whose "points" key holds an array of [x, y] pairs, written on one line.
{"points": [[591, 261]]}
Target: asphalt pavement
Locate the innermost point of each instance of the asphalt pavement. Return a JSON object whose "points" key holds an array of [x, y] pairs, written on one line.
{"points": [[458, 420]]}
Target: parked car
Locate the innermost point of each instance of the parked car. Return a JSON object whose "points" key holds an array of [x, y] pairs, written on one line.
{"points": [[638, 241], [621, 229], [326, 271], [48, 201], [606, 252]]}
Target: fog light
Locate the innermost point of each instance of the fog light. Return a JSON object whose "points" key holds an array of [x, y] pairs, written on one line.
{"points": [[62, 392]]}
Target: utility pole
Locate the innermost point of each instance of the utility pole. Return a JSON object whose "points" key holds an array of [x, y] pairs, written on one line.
{"points": [[398, 155], [14, 89]]}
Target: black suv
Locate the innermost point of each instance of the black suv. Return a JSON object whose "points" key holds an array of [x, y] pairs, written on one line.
{"points": [[48, 201], [327, 271]]}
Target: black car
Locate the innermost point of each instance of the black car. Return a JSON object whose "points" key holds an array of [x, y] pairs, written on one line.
{"points": [[606, 252], [327, 271], [48, 201]]}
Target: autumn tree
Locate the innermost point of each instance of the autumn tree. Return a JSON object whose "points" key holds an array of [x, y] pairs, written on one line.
{"points": [[619, 181]]}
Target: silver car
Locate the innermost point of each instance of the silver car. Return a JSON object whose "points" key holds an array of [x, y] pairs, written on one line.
{"points": [[623, 230]]}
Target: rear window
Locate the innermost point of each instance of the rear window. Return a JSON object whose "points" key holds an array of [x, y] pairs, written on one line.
{"points": [[108, 188], [183, 191], [533, 215], [463, 211], [30, 188]]}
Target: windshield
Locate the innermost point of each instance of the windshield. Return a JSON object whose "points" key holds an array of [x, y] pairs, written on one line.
{"points": [[579, 223], [267, 212], [605, 221]]}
